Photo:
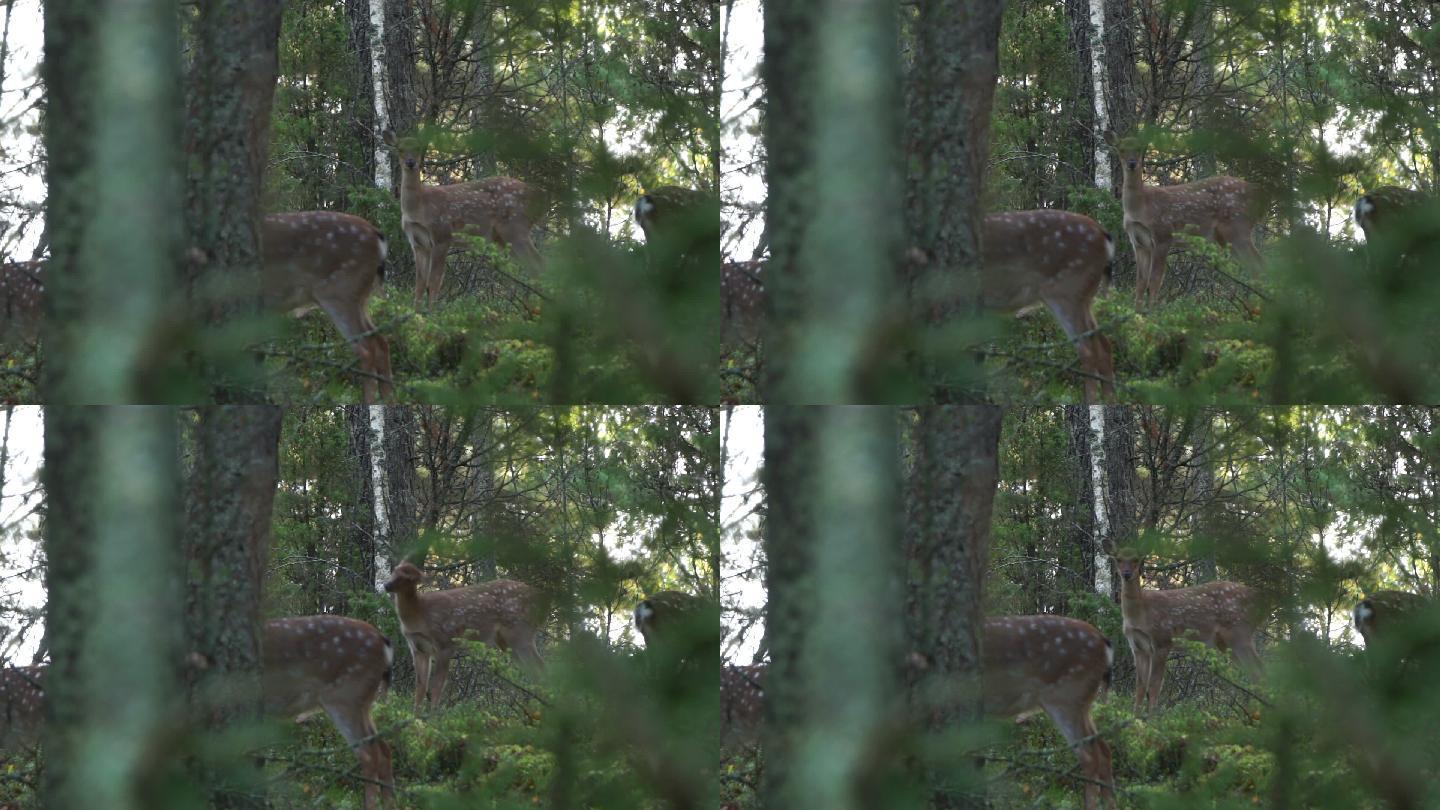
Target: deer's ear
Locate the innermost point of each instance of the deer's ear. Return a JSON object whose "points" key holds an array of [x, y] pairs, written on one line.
{"points": [[388, 136], [1110, 138]]}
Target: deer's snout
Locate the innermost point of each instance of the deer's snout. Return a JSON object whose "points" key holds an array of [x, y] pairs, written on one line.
{"points": [[409, 163]]}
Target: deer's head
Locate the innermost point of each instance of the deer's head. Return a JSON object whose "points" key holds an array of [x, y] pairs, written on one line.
{"points": [[404, 579]]}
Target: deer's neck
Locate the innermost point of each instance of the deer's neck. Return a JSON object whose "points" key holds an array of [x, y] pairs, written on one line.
{"points": [[1132, 602], [407, 605], [1132, 188], [412, 193]]}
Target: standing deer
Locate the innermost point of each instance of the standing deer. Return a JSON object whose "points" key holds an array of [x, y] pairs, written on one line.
{"points": [[1221, 209], [1398, 624], [1223, 615], [502, 613], [22, 302], [679, 626], [1060, 666], [339, 665], [501, 209], [335, 262], [1059, 259], [22, 701], [1398, 222]]}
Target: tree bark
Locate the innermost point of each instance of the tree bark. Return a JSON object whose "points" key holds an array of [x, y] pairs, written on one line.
{"points": [[952, 493], [834, 616], [1100, 500], [951, 90], [232, 491], [369, 159], [1121, 462], [112, 544], [232, 87], [1081, 150], [832, 128], [1079, 549], [401, 107], [1098, 76], [360, 560], [114, 206], [1120, 72], [401, 465]]}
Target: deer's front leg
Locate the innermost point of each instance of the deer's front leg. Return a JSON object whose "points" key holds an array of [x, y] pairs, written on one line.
{"points": [[438, 254], [1159, 252], [420, 246], [1158, 659], [1140, 651], [422, 676], [442, 671]]}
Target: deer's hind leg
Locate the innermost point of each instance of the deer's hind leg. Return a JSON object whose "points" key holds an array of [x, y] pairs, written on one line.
{"points": [[1079, 325], [354, 324]]}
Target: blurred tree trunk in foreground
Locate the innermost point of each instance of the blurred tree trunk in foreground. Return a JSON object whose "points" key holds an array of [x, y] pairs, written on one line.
{"points": [[834, 205], [835, 616], [113, 207], [115, 612]]}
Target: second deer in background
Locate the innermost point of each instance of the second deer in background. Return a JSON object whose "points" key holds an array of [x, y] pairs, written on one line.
{"points": [[1222, 209], [503, 613], [1224, 615], [501, 209]]}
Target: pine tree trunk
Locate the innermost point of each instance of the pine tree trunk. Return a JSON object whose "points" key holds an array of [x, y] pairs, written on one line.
{"points": [[232, 492], [951, 89], [231, 90], [952, 493], [402, 512], [359, 560]]}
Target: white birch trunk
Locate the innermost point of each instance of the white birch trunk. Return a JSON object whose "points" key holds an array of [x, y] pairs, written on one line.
{"points": [[377, 487], [377, 76], [1097, 76], [1098, 482]]}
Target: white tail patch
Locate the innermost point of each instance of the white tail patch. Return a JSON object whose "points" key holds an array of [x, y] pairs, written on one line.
{"points": [[1109, 246], [644, 207], [1109, 653], [1363, 612], [389, 652], [384, 246], [643, 613], [1363, 207]]}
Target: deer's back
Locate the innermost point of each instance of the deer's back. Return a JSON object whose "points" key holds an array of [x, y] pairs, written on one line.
{"points": [[1025, 658], [1031, 254], [742, 299], [1199, 610], [742, 704], [1204, 202], [308, 253], [481, 205], [308, 657], [476, 611]]}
